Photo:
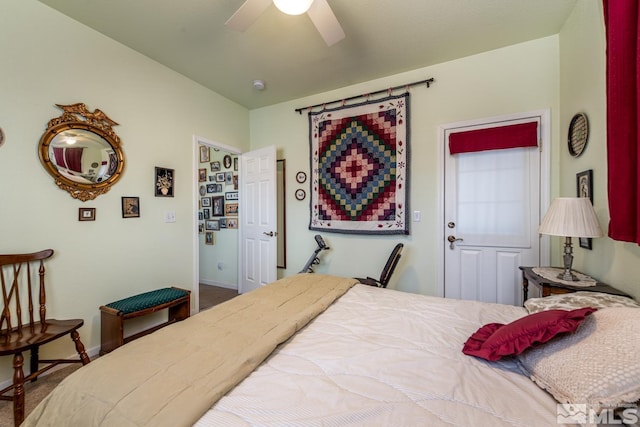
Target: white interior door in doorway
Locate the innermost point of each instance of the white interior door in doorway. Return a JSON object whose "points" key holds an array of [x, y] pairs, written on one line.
{"points": [[202, 262], [258, 219], [492, 205]]}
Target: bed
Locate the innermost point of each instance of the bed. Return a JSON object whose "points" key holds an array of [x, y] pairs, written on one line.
{"points": [[323, 351]]}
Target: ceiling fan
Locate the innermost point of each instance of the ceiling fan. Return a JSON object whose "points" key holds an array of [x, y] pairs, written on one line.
{"points": [[318, 10]]}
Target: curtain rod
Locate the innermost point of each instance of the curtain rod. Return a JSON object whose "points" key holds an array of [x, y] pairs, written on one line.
{"points": [[366, 95]]}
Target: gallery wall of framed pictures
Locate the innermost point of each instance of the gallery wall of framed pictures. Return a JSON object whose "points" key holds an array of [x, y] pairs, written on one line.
{"points": [[218, 190]]}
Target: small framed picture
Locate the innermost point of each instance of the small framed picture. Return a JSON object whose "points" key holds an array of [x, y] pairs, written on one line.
{"points": [[218, 206], [204, 153], [232, 223], [206, 202], [220, 177], [208, 238], [231, 209], [218, 188], [211, 188], [130, 207], [226, 161], [584, 185], [200, 216], [223, 222], [164, 182], [206, 213], [301, 177], [202, 175], [584, 188], [215, 166], [212, 224], [86, 214], [235, 182], [200, 228], [231, 195], [203, 190], [228, 178], [235, 164]]}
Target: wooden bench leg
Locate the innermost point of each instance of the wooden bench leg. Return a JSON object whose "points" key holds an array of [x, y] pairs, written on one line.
{"points": [[180, 311], [111, 330]]}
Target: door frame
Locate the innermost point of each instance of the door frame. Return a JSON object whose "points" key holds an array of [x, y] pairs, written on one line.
{"points": [[195, 155], [545, 177]]}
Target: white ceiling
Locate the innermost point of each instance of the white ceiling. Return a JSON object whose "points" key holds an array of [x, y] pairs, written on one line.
{"points": [[383, 37]]}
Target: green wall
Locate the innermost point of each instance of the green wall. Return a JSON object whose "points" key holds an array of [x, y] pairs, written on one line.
{"points": [[49, 59], [514, 79], [582, 89]]}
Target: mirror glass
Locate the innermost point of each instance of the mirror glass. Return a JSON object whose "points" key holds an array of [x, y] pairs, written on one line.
{"points": [[82, 156], [82, 152]]}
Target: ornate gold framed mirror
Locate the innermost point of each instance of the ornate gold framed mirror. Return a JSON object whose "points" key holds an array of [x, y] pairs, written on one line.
{"points": [[82, 152]]}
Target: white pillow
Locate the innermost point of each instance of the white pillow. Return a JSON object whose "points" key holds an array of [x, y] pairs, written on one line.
{"points": [[581, 299], [597, 365]]}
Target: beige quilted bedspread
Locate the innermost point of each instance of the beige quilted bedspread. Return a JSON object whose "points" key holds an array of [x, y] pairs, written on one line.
{"points": [[173, 376]]}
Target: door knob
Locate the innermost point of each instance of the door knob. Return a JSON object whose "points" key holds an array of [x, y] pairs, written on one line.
{"points": [[452, 239], [270, 234]]}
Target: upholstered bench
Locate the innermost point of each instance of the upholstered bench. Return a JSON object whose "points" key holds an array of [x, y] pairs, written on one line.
{"points": [[113, 315]]}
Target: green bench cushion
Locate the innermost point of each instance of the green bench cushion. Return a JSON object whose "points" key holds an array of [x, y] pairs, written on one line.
{"points": [[147, 300]]}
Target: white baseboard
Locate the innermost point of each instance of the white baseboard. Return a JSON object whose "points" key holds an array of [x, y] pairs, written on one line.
{"points": [[219, 284]]}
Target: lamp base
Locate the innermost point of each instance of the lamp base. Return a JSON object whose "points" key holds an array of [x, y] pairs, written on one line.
{"points": [[569, 277], [568, 261]]}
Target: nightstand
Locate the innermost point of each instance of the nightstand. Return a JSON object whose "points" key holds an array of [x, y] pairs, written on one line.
{"points": [[551, 287]]}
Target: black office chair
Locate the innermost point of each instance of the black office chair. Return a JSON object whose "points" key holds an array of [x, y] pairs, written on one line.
{"points": [[387, 271]]}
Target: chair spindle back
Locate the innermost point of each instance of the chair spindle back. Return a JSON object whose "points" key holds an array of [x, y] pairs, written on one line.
{"points": [[16, 274]]}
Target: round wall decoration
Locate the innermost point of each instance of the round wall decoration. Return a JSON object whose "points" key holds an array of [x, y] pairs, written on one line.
{"points": [[578, 134], [300, 194], [301, 177]]}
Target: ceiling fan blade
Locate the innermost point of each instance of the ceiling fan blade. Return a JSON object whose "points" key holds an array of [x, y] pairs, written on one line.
{"points": [[247, 14], [326, 22]]}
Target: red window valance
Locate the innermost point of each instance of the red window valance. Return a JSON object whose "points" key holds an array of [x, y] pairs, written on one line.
{"points": [[494, 138]]}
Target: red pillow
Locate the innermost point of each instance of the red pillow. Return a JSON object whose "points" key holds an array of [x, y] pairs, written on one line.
{"points": [[495, 340]]}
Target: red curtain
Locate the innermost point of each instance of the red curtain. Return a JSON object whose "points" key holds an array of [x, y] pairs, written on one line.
{"points": [[73, 156], [623, 101], [495, 138], [58, 154]]}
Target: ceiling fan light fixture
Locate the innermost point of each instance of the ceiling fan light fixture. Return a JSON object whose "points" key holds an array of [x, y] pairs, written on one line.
{"points": [[293, 7]]}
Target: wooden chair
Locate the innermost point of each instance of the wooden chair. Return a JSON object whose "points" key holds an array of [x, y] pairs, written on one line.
{"points": [[387, 271], [22, 277]]}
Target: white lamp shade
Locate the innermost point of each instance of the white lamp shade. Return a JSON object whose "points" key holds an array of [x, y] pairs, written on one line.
{"points": [[293, 7], [571, 217]]}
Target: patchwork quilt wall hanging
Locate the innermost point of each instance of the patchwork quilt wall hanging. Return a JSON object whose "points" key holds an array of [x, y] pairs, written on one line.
{"points": [[360, 169]]}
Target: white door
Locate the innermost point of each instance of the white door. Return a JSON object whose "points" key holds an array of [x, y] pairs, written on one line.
{"points": [[491, 215], [258, 219]]}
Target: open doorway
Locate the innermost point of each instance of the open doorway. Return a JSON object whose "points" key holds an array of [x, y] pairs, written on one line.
{"points": [[216, 199]]}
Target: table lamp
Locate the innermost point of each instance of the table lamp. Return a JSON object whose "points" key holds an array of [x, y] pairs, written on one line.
{"points": [[570, 217]]}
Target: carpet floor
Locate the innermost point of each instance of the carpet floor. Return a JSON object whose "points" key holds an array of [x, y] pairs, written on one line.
{"points": [[36, 391]]}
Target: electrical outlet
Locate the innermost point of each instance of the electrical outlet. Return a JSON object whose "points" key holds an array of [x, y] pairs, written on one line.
{"points": [[220, 265], [170, 216], [417, 216]]}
